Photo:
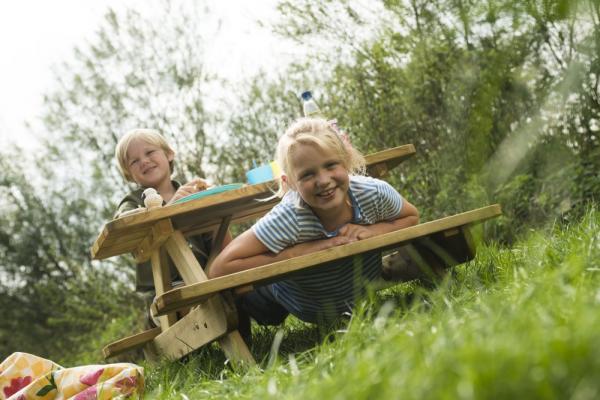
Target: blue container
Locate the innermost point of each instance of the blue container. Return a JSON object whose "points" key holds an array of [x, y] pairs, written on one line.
{"points": [[260, 174]]}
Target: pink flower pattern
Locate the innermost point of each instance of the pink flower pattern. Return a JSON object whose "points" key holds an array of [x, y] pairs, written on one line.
{"points": [[16, 384], [91, 378], [116, 380], [88, 394]]}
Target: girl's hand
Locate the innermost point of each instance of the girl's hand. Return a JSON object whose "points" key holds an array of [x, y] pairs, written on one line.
{"points": [[335, 241], [193, 186], [356, 232], [301, 249]]}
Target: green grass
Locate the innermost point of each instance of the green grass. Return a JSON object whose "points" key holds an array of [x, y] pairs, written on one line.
{"points": [[514, 323]]}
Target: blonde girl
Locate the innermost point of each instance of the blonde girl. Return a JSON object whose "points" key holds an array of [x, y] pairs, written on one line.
{"points": [[325, 202]]}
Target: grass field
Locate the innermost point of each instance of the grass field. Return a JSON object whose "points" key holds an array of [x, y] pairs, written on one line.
{"points": [[516, 323]]}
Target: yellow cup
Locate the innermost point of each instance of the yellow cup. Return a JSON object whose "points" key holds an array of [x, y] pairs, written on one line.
{"points": [[275, 168]]}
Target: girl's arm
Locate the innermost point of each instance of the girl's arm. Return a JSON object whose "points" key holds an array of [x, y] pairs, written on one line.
{"points": [[409, 216], [246, 252]]}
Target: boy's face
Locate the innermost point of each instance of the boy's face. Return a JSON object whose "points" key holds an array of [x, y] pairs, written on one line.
{"points": [[148, 164], [320, 178]]}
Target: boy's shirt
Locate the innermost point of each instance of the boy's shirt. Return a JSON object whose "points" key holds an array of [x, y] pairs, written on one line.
{"points": [[325, 293], [134, 200]]}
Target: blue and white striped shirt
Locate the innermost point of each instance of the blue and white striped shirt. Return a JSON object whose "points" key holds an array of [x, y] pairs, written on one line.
{"points": [[324, 293]]}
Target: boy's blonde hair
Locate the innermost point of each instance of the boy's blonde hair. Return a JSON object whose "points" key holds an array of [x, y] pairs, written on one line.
{"points": [[147, 135], [317, 132]]}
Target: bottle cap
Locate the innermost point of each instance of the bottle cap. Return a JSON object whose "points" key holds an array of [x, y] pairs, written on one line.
{"points": [[307, 95]]}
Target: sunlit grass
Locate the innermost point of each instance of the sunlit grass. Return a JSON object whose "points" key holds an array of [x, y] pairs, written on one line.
{"points": [[515, 323]]}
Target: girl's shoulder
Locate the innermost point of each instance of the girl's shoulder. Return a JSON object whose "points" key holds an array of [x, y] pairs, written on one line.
{"points": [[292, 209], [290, 204], [365, 183], [292, 201]]}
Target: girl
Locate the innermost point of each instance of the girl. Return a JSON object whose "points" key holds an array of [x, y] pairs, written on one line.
{"points": [[326, 202]]}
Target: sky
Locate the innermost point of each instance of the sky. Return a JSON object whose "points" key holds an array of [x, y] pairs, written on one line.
{"points": [[37, 34]]}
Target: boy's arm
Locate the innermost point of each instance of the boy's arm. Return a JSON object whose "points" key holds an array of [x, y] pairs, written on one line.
{"points": [[409, 216], [127, 204], [246, 252], [193, 186]]}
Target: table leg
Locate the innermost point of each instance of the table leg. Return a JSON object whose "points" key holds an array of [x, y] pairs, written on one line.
{"points": [[162, 282], [216, 310], [186, 263], [217, 242]]}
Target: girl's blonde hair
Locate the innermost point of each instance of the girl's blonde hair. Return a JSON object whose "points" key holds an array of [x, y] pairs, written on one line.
{"points": [[147, 135], [317, 132]]}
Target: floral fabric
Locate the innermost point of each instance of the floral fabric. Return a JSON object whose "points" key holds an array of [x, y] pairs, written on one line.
{"points": [[25, 376]]}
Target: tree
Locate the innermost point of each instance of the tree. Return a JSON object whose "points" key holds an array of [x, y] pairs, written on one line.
{"points": [[48, 284], [142, 70], [478, 87]]}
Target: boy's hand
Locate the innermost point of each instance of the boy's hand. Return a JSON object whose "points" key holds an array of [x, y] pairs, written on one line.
{"points": [[193, 186]]}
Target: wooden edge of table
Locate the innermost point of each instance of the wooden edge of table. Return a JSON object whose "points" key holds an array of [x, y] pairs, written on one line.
{"points": [[390, 157], [191, 294], [149, 218], [130, 342]]}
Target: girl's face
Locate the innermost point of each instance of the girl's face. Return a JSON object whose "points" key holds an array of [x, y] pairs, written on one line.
{"points": [[148, 164], [320, 178]]}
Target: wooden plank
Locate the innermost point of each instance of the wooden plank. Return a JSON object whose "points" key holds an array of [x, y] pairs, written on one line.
{"points": [[202, 325], [392, 157], [99, 243], [217, 242], [123, 243], [206, 320], [186, 263], [236, 350], [130, 343], [162, 283], [197, 223], [242, 195], [380, 163], [193, 294], [187, 223], [232, 343], [378, 170], [470, 240], [159, 233]]}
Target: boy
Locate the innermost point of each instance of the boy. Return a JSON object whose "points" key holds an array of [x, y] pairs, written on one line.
{"points": [[145, 157]]}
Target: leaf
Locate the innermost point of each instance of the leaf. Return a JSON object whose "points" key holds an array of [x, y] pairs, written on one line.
{"points": [[49, 387]]}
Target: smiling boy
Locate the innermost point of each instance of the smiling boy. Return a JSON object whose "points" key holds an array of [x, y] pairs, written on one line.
{"points": [[145, 158]]}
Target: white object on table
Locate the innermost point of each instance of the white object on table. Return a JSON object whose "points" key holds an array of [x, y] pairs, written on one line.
{"points": [[152, 199]]}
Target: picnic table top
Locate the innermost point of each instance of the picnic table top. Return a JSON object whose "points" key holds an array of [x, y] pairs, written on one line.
{"points": [[124, 235]]}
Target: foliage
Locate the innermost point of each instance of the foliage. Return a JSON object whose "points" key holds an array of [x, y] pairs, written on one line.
{"points": [[476, 86], [141, 71], [518, 322], [51, 293], [253, 131]]}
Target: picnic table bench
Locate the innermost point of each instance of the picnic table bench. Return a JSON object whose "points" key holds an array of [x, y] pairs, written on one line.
{"points": [[159, 235]]}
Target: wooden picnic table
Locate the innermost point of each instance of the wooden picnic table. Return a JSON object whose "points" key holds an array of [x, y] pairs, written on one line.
{"points": [[159, 235]]}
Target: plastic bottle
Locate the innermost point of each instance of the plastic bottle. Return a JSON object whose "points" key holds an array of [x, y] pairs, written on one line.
{"points": [[311, 109], [309, 105]]}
